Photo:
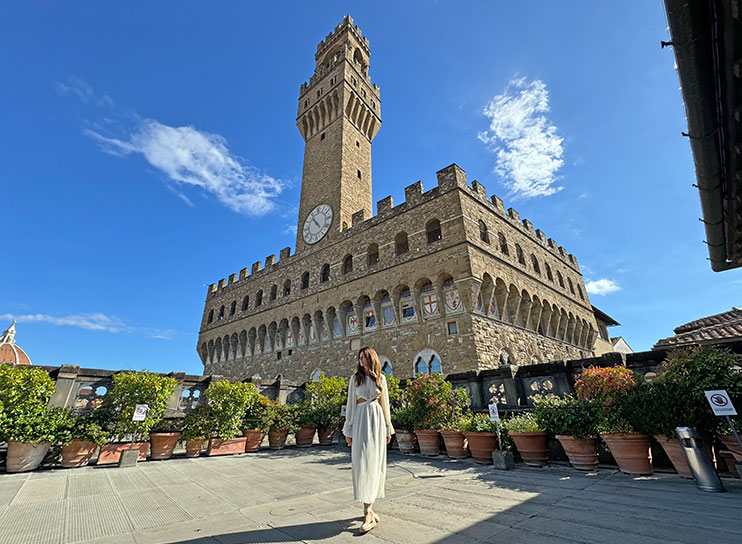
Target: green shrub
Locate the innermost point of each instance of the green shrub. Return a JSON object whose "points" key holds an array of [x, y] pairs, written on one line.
{"points": [[567, 416], [404, 418], [432, 399], [256, 414], [603, 384], [656, 408], [81, 426], [197, 424], [479, 423], [34, 425], [522, 423], [282, 416], [327, 396], [227, 403]]}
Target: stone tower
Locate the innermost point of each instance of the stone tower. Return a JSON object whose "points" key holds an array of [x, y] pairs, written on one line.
{"points": [[339, 115]]}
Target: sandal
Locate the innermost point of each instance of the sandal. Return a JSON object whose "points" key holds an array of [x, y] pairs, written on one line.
{"points": [[368, 525]]}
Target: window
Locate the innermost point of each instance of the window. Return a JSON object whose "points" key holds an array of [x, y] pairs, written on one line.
{"points": [[305, 280], [274, 292], [519, 253], [278, 355], [548, 272], [259, 298], [353, 80], [358, 173], [221, 312], [333, 80], [408, 311], [348, 264], [503, 243], [433, 229], [534, 262], [400, 243], [363, 92], [387, 368], [571, 287], [306, 103], [319, 92], [358, 144], [560, 278], [373, 254], [322, 136], [428, 364], [483, 234], [453, 328], [233, 307], [579, 292], [287, 288], [373, 104], [211, 316], [324, 274], [245, 303]]}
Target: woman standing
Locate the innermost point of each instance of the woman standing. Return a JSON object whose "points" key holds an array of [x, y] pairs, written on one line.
{"points": [[368, 429]]}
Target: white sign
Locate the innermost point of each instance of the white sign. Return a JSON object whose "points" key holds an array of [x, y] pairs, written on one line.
{"points": [[342, 410], [140, 412], [720, 403], [494, 414]]}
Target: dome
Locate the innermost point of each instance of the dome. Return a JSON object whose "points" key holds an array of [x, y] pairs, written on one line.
{"points": [[9, 351]]}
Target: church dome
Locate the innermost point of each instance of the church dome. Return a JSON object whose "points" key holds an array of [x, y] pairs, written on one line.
{"points": [[9, 351]]}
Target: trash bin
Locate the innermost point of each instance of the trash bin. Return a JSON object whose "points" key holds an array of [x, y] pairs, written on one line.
{"points": [[698, 460]]}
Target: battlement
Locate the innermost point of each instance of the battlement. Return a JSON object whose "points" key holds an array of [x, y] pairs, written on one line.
{"points": [[450, 178], [346, 25]]}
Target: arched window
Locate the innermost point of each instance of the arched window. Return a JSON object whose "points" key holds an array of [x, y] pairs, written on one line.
{"points": [[211, 316], [274, 292], [421, 367], [571, 287], [386, 368], [579, 292], [221, 312], [483, 234], [534, 262], [305, 280], [348, 264], [519, 253], [548, 272], [427, 362], [324, 273], [233, 307], [373, 254], [560, 278], [433, 229], [503, 243], [287, 288], [259, 298], [245, 303], [400, 243]]}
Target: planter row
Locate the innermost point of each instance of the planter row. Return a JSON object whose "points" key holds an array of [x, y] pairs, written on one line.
{"points": [[23, 456], [480, 444]]}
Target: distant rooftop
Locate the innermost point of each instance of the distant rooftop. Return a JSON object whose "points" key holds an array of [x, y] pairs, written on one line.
{"points": [[718, 328]]}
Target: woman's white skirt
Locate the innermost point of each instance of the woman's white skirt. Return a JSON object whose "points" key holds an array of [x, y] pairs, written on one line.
{"points": [[368, 452]]}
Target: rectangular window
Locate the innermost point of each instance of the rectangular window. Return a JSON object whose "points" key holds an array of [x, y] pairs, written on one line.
{"points": [[278, 355], [359, 174], [453, 328], [289, 352], [322, 136], [370, 320], [408, 311]]}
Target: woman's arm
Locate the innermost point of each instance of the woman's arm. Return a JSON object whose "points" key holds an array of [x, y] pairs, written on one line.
{"points": [[384, 399], [350, 408]]}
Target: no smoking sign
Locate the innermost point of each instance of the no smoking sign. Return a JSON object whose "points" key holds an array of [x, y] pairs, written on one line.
{"points": [[720, 403]]}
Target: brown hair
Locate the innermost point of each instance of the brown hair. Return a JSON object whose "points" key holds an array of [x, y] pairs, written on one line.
{"points": [[375, 365]]}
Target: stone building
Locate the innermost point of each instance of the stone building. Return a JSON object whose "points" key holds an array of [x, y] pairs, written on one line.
{"points": [[10, 352], [448, 280]]}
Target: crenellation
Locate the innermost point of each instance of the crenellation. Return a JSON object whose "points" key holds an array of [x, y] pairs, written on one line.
{"points": [[358, 218], [551, 243], [284, 254], [562, 252], [256, 267], [528, 226], [480, 190], [384, 205], [221, 284], [451, 177], [541, 236], [514, 215], [270, 260], [413, 193], [243, 274], [499, 204], [211, 290], [232, 279]]}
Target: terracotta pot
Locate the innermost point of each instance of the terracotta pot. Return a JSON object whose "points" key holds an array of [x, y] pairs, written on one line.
{"points": [[675, 452], [429, 441], [254, 437], [277, 438], [405, 441], [481, 446], [325, 435], [24, 456], [631, 451], [305, 436], [194, 446], [532, 447], [455, 442], [728, 463], [110, 453], [233, 446], [731, 444], [162, 445], [582, 452], [78, 453]]}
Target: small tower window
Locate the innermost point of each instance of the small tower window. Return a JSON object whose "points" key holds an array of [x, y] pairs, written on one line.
{"points": [[373, 104], [325, 273], [233, 307], [306, 103], [358, 172], [483, 234], [221, 312], [571, 287], [305, 280], [519, 253], [534, 262], [373, 254], [358, 144], [561, 279], [363, 92], [258, 298], [322, 136], [287, 288], [433, 229], [274, 292], [348, 264], [245, 303], [319, 92], [400, 243], [333, 80], [503, 243], [548, 272], [353, 80], [211, 316]]}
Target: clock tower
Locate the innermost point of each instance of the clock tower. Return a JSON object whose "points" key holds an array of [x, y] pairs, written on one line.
{"points": [[339, 115]]}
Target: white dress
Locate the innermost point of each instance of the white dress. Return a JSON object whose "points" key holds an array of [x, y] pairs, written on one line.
{"points": [[368, 424]]}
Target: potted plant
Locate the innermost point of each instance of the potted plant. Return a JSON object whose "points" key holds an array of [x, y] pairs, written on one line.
{"points": [[529, 437], [197, 429], [117, 410], [164, 436], [281, 422], [480, 434], [26, 423], [456, 405], [306, 417], [403, 420], [574, 424], [608, 388], [327, 397], [227, 404], [80, 435], [255, 423], [427, 394]]}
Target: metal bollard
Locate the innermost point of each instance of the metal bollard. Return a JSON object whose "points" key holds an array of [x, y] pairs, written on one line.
{"points": [[698, 460]]}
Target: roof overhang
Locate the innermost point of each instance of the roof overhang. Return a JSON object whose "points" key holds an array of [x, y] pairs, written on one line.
{"points": [[604, 317]]}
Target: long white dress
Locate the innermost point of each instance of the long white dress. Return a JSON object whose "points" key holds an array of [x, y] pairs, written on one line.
{"points": [[368, 424]]}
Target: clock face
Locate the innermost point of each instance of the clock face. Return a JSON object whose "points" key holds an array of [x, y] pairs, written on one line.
{"points": [[317, 224]]}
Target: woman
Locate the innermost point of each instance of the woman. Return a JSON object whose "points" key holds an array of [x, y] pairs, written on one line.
{"points": [[368, 429]]}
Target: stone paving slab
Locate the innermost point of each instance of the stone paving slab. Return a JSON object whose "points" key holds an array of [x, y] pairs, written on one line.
{"points": [[305, 496]]}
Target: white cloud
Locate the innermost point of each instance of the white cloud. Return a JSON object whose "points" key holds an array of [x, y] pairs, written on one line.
{"points": [[192, 157], [83, 91], [602, 287], [290, 229], [96, 321], [527, 146]]}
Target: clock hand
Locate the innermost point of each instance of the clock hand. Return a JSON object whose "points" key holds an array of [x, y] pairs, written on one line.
{"points": [[315, 222]]}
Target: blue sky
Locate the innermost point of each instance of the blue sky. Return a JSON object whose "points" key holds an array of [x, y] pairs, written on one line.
{"points": [[149, 149]]}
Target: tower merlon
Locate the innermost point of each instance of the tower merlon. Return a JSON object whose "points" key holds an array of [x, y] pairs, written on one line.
{"points": [[358, 217], [384, 205], [232, 279], [221, 283], [243, 273], [528, 226], [514, 215], [479, 189], [540, 235], [256, 267], [499, 204], [284, 254], [211, 289], [270, 260], [412, 193], [450, 177]]}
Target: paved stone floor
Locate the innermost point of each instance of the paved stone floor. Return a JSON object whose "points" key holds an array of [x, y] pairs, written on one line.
{"points": [[305, 496]]}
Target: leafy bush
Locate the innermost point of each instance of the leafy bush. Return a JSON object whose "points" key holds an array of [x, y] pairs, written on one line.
{"points": [[567, 415], [656, 408], [227, 403], [522, 423], [197, 424], [479, 423], [34, 425], [604, 384], [432, 398], [395, 391], [282, 416], [256, 414], [130, 389], [327, 396], [404, 418], [81, 426]]}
